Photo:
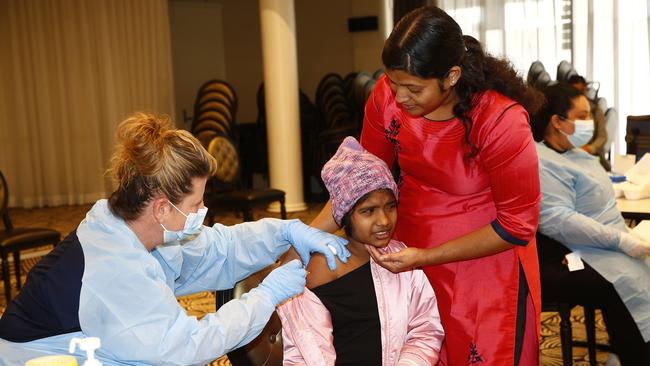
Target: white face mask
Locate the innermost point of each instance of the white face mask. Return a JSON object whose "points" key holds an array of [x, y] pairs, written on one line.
{"points": [[193, 225], [584, 131]]}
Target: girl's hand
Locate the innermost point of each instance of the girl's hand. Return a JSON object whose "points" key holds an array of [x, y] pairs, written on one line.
{"points": [[404, 260]]}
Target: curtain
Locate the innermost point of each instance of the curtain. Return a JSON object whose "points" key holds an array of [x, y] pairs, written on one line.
{"points": [[611, 46], [521, 30], [70, 71]]}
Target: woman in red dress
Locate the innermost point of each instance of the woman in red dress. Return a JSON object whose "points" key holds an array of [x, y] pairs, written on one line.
{"points": [[454, 122]]}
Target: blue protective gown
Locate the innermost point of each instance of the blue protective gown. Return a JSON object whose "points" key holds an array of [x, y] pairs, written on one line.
{"points": [[579, 209], [128, 294]]}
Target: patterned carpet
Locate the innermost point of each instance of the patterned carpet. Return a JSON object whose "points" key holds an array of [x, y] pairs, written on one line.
{"points": [[66, 218]]}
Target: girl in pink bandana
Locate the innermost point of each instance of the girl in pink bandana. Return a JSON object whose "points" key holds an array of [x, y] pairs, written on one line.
{"points": [[361, 313]]}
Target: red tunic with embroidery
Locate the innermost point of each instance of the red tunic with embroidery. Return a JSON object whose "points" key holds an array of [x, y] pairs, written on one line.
{"points": [[444, 196]]}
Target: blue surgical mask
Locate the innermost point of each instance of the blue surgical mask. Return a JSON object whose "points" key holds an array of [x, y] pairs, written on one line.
{"points": [[584, 131], [193, 225]]}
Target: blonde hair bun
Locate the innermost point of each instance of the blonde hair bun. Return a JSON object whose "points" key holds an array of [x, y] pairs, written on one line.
{"points": [[151, 157]]}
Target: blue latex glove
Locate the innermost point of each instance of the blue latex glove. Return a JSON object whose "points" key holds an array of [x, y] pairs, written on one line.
{"points": [[285, 282], [307, 240]]}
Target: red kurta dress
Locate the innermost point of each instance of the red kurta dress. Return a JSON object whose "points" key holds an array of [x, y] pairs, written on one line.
{"points": [[443, 196]]}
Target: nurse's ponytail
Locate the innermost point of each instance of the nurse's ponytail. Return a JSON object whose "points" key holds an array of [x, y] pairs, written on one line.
{"points": [[153, 158]]}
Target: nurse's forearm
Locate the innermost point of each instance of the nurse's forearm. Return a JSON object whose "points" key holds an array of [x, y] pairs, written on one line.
{"points": [[325, 221], [479, 243]]}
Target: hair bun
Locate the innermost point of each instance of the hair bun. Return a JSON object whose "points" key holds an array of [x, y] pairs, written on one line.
{"points": [[141, 142], [472, 44]]}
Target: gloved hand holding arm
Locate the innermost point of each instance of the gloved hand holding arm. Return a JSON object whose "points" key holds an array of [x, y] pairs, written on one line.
{"points": [[633, 245], [284, 282], [307, 240]]}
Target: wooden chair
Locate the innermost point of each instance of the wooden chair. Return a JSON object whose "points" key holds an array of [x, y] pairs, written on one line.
{"points": [[224, 190], [564, 71], [14, 240], [265, 349], [611, 126], [536, 68], [545, 245], [637, 136]]}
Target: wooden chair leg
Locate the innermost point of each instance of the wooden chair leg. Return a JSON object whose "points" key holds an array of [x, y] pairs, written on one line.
{"points": [[6, 277], [566, 337], [283, 209], [248, 214], [17, 269], [223, 296], [590, 325]]}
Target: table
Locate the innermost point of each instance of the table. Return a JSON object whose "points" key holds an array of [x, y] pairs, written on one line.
{"points": [[636, 210]]}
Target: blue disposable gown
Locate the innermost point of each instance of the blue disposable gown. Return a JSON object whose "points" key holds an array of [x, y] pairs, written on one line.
{"points": [[579, 209], [128, 295]]}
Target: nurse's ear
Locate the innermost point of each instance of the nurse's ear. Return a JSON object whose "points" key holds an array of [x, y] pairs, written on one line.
{"points": [[160, 208], [556, 121]]}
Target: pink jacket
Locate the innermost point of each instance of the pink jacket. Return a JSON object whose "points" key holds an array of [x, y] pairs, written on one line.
{"points": [[411, 333]]}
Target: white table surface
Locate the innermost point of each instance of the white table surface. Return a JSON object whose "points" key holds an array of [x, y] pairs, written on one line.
{"points": [[633, 206]]}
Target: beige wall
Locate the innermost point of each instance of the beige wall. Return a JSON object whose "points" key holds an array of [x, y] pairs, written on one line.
{"points": [[241, 25], [197, 50], [324, 45], [323, 41], [367, 45]]}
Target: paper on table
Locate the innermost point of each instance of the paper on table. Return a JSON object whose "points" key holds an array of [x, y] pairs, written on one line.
{"points": [[574, 262], [640, 173], [642, 230]]}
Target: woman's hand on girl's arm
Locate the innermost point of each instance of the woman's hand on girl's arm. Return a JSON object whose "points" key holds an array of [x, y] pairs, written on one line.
{"points": [[479, 243]]}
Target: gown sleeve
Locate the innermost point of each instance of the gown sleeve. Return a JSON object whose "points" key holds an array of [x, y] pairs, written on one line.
{"points": [[378, 117], [222, 255], [507, 152], [142, 322], [559, 220]]}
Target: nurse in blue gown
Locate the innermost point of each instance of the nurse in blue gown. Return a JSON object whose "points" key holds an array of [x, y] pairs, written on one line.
{"points": [[118, 274], [578, 212]]}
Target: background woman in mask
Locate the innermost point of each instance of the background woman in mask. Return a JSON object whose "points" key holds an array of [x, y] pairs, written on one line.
{"points": [[578, 213], [117, 275]]}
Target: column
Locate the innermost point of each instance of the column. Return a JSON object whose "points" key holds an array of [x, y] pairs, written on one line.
{"points": [[280, 59]]}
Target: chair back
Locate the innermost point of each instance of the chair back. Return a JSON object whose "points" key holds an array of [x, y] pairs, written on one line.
{"points": [[218, 86], [611, 126], [592, 90], [328, 81], [265, 349], [216, 100], [637, 135], [536, 68], [378, 73], [543, 80], [225, 153], [602, 104], [564, 71], [4, 203]]}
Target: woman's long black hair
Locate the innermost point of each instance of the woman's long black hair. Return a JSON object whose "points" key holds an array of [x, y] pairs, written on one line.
{"points": [[427, 43]]}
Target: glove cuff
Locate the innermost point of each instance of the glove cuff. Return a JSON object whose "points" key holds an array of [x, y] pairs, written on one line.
{"points": [[266, 292], [287, 230]]}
